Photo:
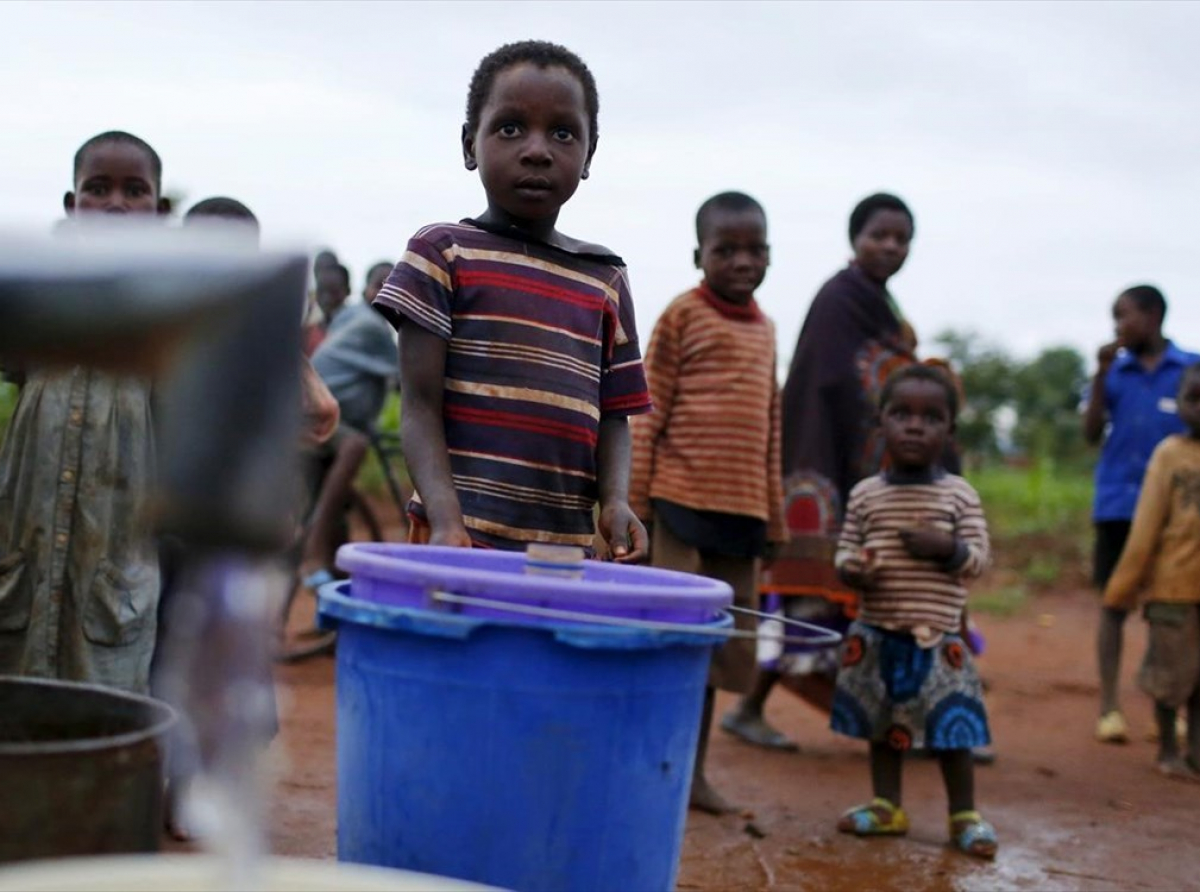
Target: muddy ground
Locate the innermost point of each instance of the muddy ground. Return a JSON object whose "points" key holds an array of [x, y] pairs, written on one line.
{"points": [[1071, 813]]}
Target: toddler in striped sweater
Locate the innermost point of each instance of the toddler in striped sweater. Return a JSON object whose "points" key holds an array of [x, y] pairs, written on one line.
{"points": [[911, 535]]}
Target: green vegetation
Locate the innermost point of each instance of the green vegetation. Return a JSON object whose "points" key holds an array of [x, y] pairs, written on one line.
{"points": [[1040, 521], [8, 402], [370, 478]]}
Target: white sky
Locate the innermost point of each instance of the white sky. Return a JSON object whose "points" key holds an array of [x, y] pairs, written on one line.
{"points": [[1050, 151]]}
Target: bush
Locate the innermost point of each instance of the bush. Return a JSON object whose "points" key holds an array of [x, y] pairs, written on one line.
{"points": [[8, 403], [1039, 517]]}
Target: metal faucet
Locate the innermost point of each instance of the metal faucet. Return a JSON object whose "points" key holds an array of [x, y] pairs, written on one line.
{"points": [[219, 328]]}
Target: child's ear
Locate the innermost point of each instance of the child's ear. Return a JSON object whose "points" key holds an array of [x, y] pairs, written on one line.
{"points": [[696, 258], [164, 206], [468, 147], [69, 203]]}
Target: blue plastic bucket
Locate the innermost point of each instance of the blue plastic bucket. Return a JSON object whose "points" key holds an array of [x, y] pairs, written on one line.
{"points": [[524, 753]]}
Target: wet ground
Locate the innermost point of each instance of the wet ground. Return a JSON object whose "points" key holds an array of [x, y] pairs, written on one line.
{"points": [[1071, 813]]}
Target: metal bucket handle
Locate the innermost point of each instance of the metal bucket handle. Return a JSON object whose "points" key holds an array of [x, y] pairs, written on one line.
{"points": [[819, 638]]}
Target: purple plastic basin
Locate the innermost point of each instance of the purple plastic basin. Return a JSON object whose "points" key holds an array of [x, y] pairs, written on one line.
{"points": [[409, 576]]}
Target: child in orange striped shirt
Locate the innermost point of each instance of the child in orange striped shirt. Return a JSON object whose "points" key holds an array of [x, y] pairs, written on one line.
{"points": [[706, 463]]}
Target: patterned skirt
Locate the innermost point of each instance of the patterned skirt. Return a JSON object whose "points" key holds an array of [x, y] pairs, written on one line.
{"points": [[891, 689]]}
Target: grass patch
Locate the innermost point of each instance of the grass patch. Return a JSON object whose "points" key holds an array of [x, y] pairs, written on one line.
{"points": [[1040, 522], [1004, 600], [1043, 499], [8, 403]]}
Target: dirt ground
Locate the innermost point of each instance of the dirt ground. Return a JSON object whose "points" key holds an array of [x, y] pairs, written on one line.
{"points": [[1071, 813]]}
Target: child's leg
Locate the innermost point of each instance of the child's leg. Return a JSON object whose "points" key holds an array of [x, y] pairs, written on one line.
{"points": [[887, 772], [746, 719], [1193, 730], [703, 797], [958, 773], [1169, 761], [969, 832], [882, 816], [351, 450], [1108, 651]]}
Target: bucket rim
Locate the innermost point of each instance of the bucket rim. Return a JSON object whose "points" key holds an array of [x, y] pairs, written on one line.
{"points": [[168, 717], [336, 604], [676, 590]]}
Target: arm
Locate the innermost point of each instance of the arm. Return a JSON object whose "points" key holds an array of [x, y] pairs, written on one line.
{"points": [[857, 567], [1149, 519], [1096, 414], [777, 530], [965, 552], [320, 410], [423, 432], [624, 533], [662, 374]]}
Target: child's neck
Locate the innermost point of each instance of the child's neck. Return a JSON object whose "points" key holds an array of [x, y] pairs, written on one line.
{"points": [[912, 473], [542, 230], [729, 299], [1149, 353]]}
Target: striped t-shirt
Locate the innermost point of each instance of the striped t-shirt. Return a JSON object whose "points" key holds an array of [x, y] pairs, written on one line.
{"points": [[911, 593], [542, 345]]}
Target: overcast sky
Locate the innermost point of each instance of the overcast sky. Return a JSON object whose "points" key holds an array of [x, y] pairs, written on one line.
{"points": [[1050, 151]]}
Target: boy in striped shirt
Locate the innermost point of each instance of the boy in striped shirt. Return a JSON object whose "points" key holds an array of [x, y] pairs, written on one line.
{"points": [[911, 535], [706, 462], [519, 359]]}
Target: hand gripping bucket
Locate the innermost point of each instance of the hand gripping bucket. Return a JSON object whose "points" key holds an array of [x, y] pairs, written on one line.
{"points": [[532, 752]]}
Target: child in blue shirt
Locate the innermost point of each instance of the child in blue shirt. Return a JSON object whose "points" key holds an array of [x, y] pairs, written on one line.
{"points": [[1132, 407]]}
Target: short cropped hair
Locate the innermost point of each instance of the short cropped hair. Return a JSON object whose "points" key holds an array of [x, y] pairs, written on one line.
{"points": [[872, 204], [1148, 299], [734, 202], [223, 207], [920, 372], [344, 273], [543, 54], [120, 136], [375, 267]]}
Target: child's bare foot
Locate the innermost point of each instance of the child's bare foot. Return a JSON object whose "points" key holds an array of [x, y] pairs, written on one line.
{"points": [[704, 798], [1178, 769]]}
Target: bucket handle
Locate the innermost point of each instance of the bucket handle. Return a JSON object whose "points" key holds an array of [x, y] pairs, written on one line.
{"points": [[819, 638]]}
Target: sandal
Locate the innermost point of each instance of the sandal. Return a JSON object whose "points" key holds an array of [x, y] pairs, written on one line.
{"points": [[879, 817], [317, 578], [757, 731], [973, 836]]}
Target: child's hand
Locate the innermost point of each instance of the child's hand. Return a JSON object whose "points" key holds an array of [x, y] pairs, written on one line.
{"points": [[928, 542], [450, 534], [861, 572], [1106, 354], [628, 542]]}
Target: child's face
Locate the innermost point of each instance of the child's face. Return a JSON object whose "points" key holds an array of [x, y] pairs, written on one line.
{"points": [[115, 178], [375, 283], [1189, 402], [734, 254], [532, 146], [882, 246], [1133, 326], [331, 290], [916, 422]]}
